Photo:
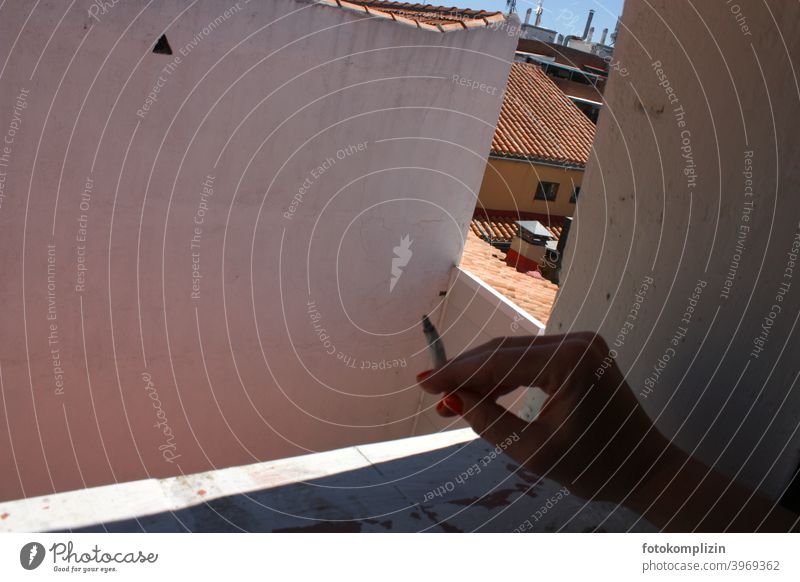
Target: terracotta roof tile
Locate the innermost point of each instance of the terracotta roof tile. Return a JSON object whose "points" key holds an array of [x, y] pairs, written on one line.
{"points": [[424, 15], [539, 123], [535, 295]]}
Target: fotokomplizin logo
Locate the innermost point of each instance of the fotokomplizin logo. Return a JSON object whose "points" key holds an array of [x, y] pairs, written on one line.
{"points": [[31, 555], [402, 254]]}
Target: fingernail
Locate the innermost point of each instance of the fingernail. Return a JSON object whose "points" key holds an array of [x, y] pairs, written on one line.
{"points": [[454, 403], [422, 375], [442, 410]]}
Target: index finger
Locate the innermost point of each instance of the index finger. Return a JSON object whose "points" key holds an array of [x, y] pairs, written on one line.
{"points": [[502, 370]]}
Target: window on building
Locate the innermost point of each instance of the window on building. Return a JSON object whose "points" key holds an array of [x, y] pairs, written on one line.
{"points": [[546, 191], [576, 190]]}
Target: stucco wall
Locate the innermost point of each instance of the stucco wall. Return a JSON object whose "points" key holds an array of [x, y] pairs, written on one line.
{"points": [[511, 185], [197, 248], [689, 211]]}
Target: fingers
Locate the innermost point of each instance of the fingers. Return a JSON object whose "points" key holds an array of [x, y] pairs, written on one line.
{"points": [[448, 406], [498, 371], [494, 423], [511, 342]]}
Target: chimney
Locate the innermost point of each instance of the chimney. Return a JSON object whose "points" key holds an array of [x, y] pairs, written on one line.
{"points": [[562, 240], [603, 36], [538, 21], [590, 35], [588, 24], [528, 16], [560, 39]]}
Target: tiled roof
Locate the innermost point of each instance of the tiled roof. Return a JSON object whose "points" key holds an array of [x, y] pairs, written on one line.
{"points": [[437, 18], [503, 228], [539, 123], [530, 292]]}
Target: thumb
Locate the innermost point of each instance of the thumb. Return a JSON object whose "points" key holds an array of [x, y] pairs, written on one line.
{"points": [[496, 424]]}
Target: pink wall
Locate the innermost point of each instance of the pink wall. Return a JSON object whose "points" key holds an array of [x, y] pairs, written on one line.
{"points": [[238, 370]]}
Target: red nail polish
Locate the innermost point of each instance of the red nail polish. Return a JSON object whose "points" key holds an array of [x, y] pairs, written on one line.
{"points": [[454, 403], [442, 410], [422, 375]]}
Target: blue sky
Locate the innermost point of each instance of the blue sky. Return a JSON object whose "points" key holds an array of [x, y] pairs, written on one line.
{"points": [[565, 16]]}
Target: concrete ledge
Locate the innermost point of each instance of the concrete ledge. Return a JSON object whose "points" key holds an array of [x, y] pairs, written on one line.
{"points": [[85, 507]]}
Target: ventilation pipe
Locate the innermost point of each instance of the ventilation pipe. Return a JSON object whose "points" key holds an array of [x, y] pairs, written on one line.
{"points": [[539, 11], [570, 37], [603, 36], [590, 35], [528, 16], [615, 33], [588, 24]]}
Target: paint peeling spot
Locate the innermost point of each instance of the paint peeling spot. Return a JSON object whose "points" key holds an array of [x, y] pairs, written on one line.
{"points": [[526, 489], [446, 527], [652, 109], [490, 501], [4, 515], [201, 492], [386, 524]]}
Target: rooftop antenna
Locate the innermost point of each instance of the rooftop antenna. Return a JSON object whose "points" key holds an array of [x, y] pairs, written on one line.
{"points": [[511, 6]]}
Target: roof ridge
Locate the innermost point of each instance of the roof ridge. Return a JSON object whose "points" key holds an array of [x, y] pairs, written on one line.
{"points": [[424, 16]]}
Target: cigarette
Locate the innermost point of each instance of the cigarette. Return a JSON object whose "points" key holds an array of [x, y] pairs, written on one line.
{"points": [[435, 345]]}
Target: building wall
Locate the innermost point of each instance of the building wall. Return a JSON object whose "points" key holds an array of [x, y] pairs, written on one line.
{"points": [[531, 32], [198, 248], [690, 211], [511, 185]]}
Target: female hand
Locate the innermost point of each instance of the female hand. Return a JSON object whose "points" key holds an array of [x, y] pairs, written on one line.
{"points": [[591, 434]]}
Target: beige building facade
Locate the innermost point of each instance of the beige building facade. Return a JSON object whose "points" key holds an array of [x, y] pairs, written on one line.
{"points": [[512, 185]]}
